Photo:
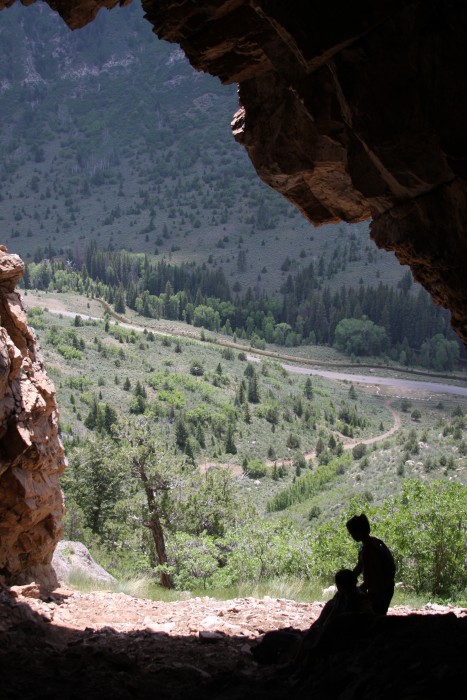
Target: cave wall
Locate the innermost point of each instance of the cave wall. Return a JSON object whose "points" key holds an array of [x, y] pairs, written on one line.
{"points": [[31, 454]]}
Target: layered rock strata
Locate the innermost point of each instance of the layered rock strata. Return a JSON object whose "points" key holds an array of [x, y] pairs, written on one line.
{"points": [[31, 453], [350, 110]]}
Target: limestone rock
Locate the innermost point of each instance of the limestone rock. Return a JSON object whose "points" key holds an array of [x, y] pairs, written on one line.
{"points": [[74, 558], [31, 454]]}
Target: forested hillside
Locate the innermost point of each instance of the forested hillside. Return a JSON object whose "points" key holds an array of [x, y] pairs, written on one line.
{"points": [[294, 457], [109, 135]]}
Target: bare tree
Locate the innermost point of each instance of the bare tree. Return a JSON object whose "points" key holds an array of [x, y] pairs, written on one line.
{"points": [[161, 474]]}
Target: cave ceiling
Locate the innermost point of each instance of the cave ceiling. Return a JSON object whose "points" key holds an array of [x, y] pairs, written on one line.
{"points": [[351, 110]]}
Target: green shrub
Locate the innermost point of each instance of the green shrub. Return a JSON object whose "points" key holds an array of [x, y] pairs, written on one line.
{"points": [[359, 450], [256, 469]]}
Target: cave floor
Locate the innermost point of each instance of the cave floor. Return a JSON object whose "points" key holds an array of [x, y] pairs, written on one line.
{"points": [[108, 645]]}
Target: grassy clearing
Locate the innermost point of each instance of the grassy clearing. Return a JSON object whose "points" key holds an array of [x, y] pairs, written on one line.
{"points": [[141, 587], [282, 588]]}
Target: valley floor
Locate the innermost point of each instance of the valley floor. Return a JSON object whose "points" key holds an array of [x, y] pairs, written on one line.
{"points": [[394, 381]]}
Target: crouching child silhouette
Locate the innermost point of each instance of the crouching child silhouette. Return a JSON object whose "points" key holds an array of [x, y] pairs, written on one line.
{"points": [[340, 623], [348, 599], [375, 563]]}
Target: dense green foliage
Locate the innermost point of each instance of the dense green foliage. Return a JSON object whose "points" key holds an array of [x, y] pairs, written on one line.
{"points": [[359, 337], [309, 485], [426, 528], [213, 540]]}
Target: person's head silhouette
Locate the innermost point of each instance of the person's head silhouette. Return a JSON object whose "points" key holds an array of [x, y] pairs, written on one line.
{"points": [[359, 527], [346, 581]]}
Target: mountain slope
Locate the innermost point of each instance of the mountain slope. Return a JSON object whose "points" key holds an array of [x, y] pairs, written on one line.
{"points": [[109, 134]]}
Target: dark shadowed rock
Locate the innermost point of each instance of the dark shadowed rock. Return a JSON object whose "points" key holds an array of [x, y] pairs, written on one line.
{"points": [[101, 645]]}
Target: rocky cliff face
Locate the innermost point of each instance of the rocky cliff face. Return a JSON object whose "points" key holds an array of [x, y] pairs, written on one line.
{"points": [[351, 111], [31, 454]]}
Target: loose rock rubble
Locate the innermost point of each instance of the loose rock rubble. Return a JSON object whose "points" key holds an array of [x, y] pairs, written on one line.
{"points": [[110, 645]]}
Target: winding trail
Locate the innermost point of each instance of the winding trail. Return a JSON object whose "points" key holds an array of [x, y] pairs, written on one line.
{"points": [[308, 367], [349, 444]]}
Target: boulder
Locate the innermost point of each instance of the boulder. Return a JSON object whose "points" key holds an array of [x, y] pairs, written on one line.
{"points": [[73, 558]]}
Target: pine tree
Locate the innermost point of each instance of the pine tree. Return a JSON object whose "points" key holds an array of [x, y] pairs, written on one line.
{"points": [[241, 261], [91, 419], [189, 451], [298, 407], [181, 433], [230, 446], [319, 446], [140, 390], [241, 392], [138, 405], [119, 301], [200, 436], [249, 370], [26, 277], [110, 418], [308, 389], [253, 390]]}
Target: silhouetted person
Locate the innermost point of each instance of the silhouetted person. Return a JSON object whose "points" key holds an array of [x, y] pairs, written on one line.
{"points": [[375, 562], [347, 599]]}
